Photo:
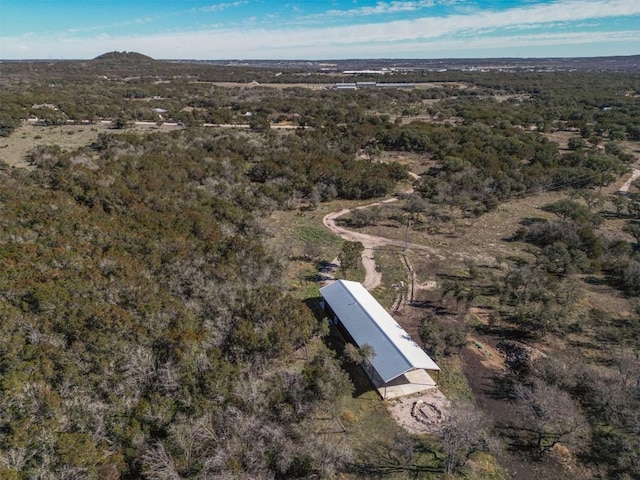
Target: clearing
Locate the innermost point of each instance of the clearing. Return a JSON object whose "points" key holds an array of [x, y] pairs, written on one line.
{"points": [[485, 242], [15, 148]]}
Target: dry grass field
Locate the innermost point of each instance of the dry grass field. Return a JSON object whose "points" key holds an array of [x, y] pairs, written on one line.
{"points": [[15, 148]]}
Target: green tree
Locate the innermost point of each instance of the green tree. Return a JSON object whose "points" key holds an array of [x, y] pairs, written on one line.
{"points": [[120, 123], [571, 210], [349, 256], [259, 123], [577, 143], [633, 229]]}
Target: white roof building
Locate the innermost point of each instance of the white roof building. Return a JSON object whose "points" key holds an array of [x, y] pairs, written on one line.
{"points": [[367, 322]]}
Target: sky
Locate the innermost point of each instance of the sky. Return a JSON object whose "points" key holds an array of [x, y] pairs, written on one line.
{"points": [[315, 30]]}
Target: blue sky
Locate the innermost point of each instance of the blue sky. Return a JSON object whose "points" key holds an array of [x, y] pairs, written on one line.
{"points": [[313, 29]]}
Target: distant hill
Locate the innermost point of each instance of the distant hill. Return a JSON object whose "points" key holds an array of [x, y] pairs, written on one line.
{"points": [[123, 58]]}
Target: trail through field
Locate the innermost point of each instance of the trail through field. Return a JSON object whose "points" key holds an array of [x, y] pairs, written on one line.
{"points": [[373, 277]]}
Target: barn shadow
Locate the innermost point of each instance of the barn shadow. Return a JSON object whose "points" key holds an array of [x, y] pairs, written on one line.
{"points": [[360, 380], [336, 342], [315, 305]]}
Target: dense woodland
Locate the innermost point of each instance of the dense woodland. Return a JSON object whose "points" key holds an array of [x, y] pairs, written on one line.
{"points": [[148, 330]]}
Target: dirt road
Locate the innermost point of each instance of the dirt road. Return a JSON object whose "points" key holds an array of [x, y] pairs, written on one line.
{"points": [[625, 187], [372, 277]]}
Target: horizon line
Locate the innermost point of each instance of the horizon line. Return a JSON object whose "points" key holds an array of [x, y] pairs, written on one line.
{"points": [[301, 59]]}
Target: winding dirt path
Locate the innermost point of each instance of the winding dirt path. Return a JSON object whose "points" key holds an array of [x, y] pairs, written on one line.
{"points": [[372, 277]]}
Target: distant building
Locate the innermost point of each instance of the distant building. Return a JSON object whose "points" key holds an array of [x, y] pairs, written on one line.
{"points": [[395, 85], [398, 365], [278, 117]]}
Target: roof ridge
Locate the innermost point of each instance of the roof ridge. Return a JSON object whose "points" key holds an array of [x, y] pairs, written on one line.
{"points": [[365, 310]]}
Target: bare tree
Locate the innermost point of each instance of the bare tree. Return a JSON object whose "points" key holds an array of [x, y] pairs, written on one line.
{"points": [[549, 416], [604, 394], [139, 369], [330, 453], [633, 229], [466, 432], [15, 458], [158, 464], [592, 198]]}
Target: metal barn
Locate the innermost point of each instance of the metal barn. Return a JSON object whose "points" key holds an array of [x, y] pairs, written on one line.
{"points": [[399, 366]]}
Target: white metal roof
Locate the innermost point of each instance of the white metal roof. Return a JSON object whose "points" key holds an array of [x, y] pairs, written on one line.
{"points": [[369, 323]]}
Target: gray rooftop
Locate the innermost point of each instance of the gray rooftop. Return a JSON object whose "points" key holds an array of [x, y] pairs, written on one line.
{"points": [[369, 323]]}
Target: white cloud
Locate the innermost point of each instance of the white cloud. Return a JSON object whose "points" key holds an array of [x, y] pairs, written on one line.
{"points": [[421, 36], [221, 6], [383, 8]]}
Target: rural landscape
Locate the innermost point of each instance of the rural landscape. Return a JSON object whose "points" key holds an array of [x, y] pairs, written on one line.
{"points": [[166, 228]]}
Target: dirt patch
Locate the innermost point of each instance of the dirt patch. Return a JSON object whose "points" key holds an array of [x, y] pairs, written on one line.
{"points": [[426, 412], [480, 240], [481, 313], [278, 86], [490, 357], [15, 148], [561, 137], [625, 186], [484, 369], [428, 285]]}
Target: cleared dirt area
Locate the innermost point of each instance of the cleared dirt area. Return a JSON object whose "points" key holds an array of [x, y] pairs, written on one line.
{"points": [[279, 86], [472, 239], [562, 137], [15, 148], [422, 413]]}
